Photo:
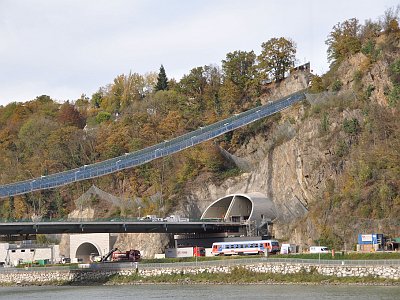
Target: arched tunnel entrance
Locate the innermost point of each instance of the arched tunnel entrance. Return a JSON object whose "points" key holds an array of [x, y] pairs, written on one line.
{"points": [[86, 250], [233, 208], [252, 209]]}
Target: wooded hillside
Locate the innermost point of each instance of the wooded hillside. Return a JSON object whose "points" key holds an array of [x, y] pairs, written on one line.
{"points": [[42, 137]]}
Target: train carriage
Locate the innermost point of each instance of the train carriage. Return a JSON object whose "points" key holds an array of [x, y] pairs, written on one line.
{"points": [[245, 247]]}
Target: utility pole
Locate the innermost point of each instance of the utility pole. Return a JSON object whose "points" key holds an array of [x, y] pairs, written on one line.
{"points": [[161, 188]]}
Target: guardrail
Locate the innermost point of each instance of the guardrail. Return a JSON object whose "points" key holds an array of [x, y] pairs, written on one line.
{"points": [[148, 154], [210, 263], [114, 220], [249, 261]]}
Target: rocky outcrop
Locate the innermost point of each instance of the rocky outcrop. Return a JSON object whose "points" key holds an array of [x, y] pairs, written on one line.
{"points": [[369, 76], [149, 244], [295, 82], [78, 214], [292, 163]]}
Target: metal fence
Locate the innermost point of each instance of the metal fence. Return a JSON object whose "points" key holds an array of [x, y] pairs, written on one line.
{"points": [[145, 155]]}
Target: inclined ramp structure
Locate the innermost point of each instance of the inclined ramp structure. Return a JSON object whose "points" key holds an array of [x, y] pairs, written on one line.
{"points": [[148, 154]]}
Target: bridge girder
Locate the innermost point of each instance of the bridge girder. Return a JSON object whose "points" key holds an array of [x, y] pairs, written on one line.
{"points": [[27, 228]]}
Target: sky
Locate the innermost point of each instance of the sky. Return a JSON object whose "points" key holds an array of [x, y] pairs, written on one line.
{"points": [[67, 48]]}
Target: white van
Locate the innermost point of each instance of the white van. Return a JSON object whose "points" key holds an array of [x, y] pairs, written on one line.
{"points": [[319, 249]]}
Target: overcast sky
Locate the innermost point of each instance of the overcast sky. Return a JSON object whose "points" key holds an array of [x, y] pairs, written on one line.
{"points": [[65, 48]]}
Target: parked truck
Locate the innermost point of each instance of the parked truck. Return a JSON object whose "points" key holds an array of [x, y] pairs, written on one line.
{"points": [[185, 252], [116, 255], [130, 255]]}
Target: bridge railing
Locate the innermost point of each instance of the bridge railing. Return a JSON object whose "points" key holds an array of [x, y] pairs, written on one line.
{"points": [[150, 153], [112, 220]]}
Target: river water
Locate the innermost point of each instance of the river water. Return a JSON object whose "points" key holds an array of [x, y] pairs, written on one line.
{"points": [[219, 292]]}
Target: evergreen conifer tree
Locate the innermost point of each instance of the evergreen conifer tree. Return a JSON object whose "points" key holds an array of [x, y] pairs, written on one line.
{"points": [[162, 80]]}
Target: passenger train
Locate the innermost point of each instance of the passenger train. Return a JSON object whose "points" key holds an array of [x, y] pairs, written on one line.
{"points": [[245, 247]]}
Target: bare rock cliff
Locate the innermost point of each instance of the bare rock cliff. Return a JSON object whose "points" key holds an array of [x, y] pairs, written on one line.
{"points": [[291, 166], [149, 244]]}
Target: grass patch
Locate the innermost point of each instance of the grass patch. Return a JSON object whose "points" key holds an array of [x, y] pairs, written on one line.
{"points": [[338, 256], [194, 259], [232, 172], [345, 256]]}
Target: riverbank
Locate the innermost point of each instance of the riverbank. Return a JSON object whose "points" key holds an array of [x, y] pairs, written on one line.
{"points": [[241, 277], [244, 273]]}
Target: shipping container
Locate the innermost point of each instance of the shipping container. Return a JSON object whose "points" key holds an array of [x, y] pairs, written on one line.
{"points": [[370, 239], [185, 252]]}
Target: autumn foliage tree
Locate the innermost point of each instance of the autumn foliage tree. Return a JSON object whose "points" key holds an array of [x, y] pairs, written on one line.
{"points": [[68, 115], [193, 85], [277, 57], [202, 86], [238, 67], [240, 78], [344, 40]]}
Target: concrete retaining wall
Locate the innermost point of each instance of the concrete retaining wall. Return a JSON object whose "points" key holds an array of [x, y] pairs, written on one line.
{"points": [[43, 275]]}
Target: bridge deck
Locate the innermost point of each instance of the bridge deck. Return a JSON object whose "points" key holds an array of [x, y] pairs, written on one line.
{"points": [[15, 228]]}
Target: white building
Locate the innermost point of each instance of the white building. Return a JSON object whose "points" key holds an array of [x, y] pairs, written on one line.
{"points": [[27, 252]]}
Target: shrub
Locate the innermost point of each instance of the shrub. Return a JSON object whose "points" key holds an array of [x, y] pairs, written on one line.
{"points": [[370, 50], [370, 31], [365, 172], [341, 149], [395, 72], [337, 85], [316, 109], [394, 96], [351, 126], [325, 123], [370, 89], [317, 85], [395, 67], [357, 76], [102, 117], [389, 20]]}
